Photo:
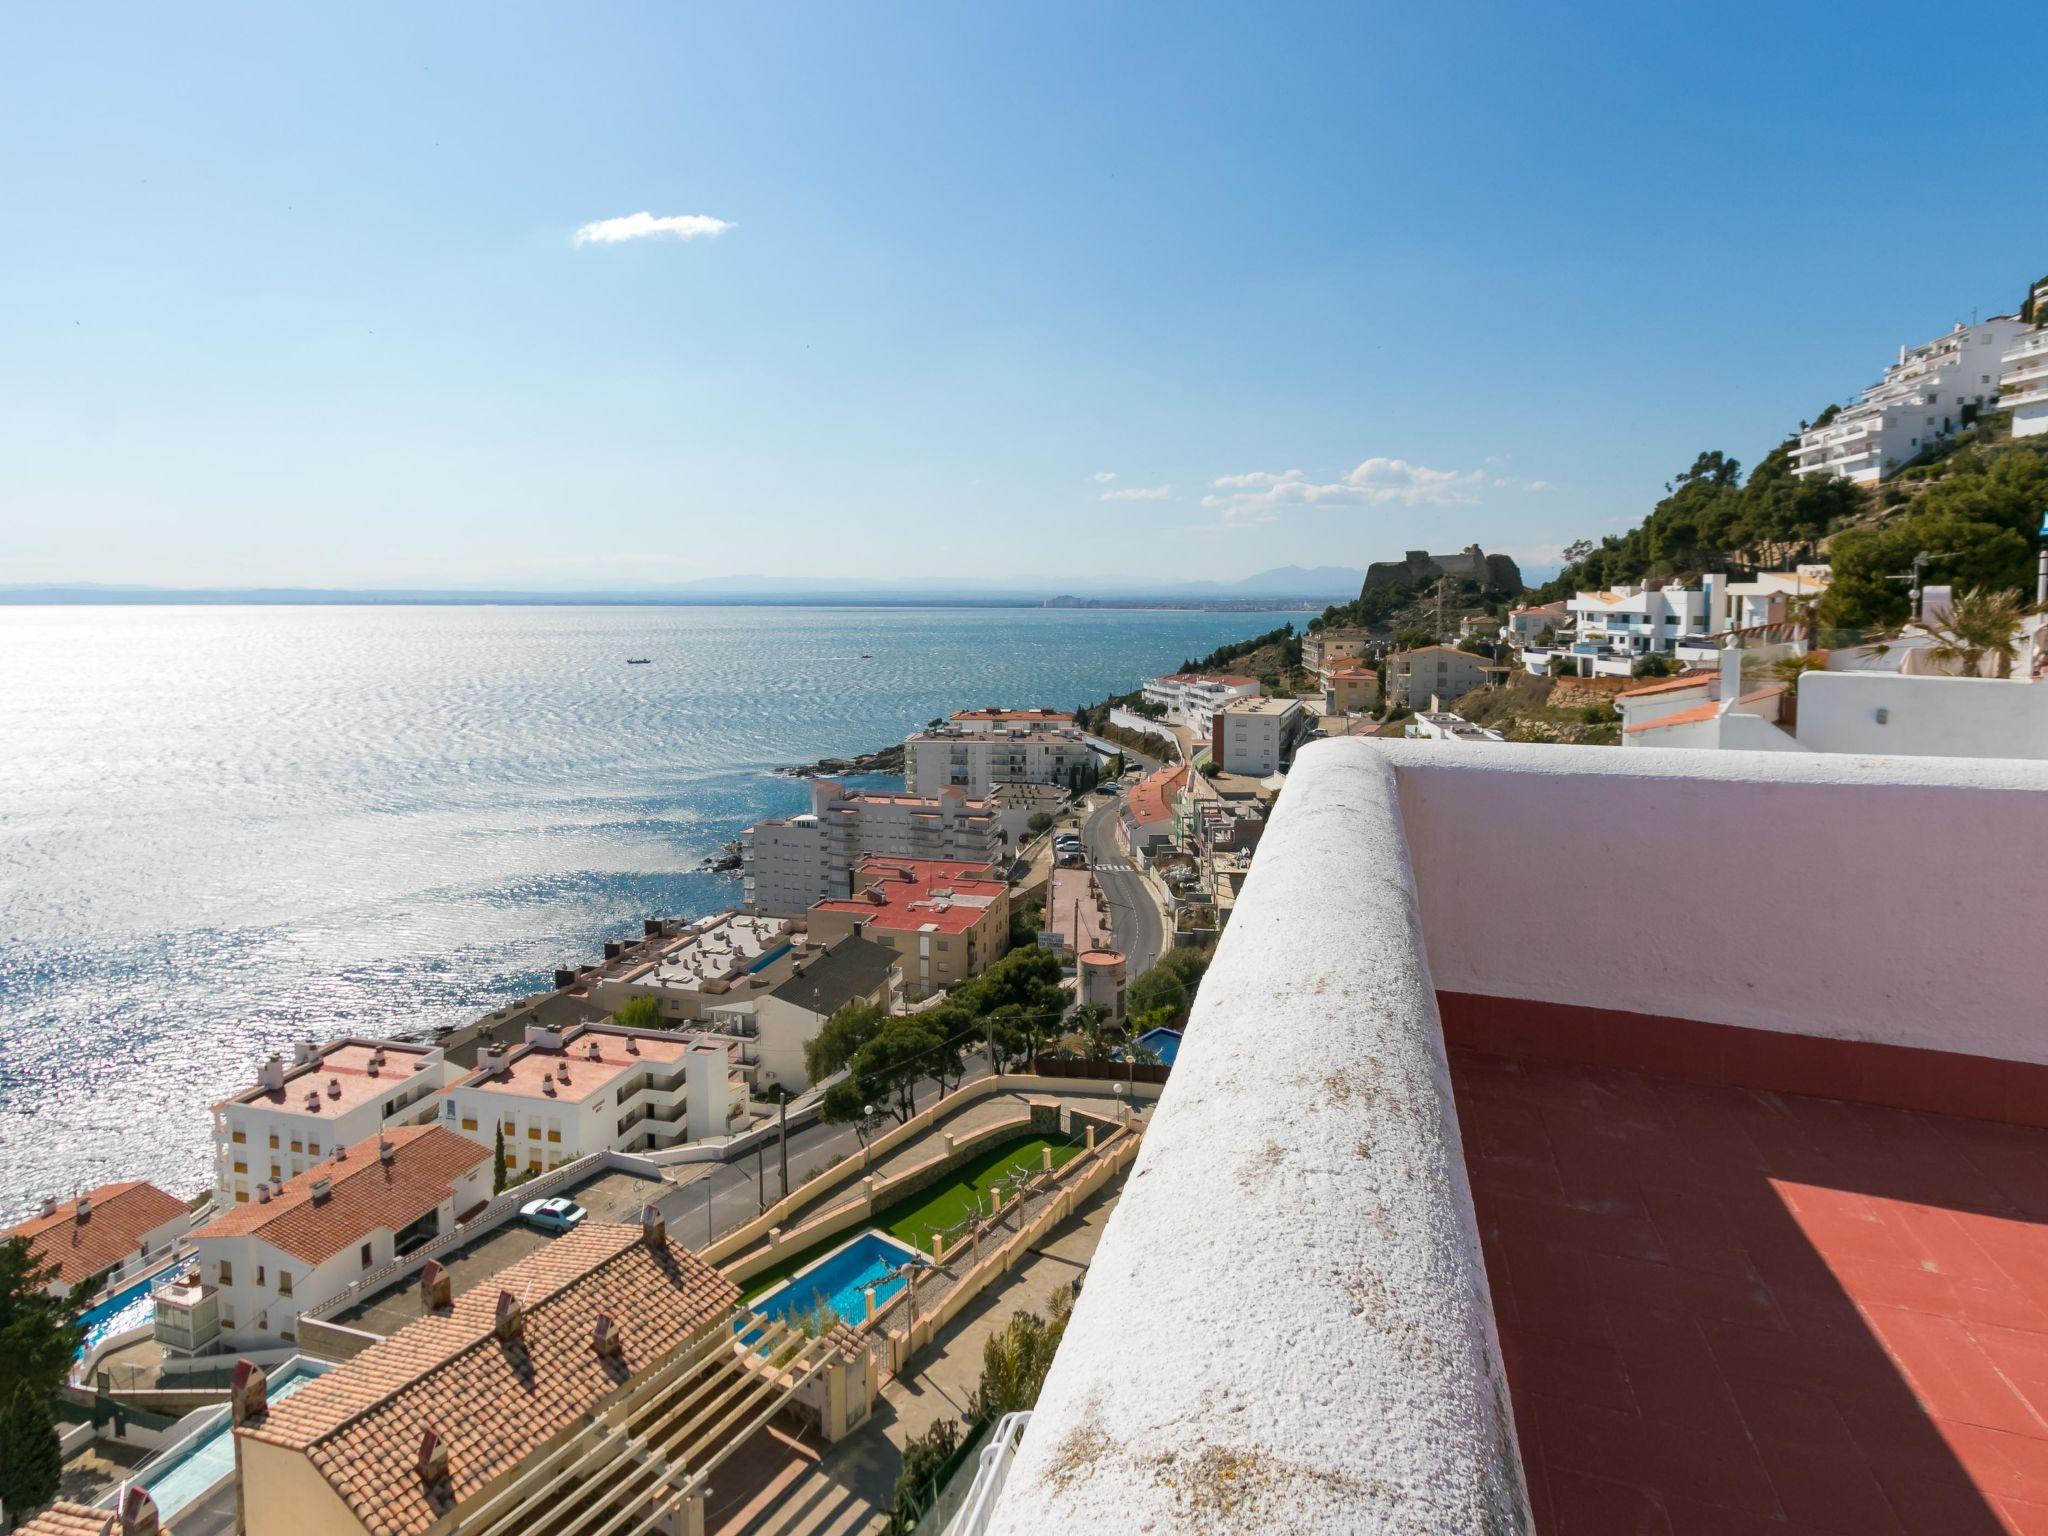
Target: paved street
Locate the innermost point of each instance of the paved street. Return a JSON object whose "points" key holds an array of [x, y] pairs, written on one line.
{"points": [[713, 1198], [1134, 917]]}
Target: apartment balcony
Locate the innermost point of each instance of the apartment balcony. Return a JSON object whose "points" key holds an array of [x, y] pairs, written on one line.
{"points": [[1740, 1226], [2035, 346], [2030, 376]]}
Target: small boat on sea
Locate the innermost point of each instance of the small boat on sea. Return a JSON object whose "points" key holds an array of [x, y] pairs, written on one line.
{"points": [[867, 656], [639, 661]]}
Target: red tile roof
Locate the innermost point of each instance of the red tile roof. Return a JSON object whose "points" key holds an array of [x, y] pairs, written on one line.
{"points": [[1673, 685], [1018, 716], [1700, 712], [1151, 799], [366, 1194], [64, 1518], [494, 1401], [909, 895], [117, 1216]]}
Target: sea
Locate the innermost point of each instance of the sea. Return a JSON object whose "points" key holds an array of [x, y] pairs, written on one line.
{"points": [[225, 828]]}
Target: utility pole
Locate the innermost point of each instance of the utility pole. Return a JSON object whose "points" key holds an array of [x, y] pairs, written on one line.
{"points": [[2041, 577], [761, 1172], [783, 1125]]}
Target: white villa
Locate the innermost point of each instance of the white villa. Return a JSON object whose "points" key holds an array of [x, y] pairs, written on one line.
{"points": [[2023, 386], [1191, 698], [330, 1096], [1917, 402]]}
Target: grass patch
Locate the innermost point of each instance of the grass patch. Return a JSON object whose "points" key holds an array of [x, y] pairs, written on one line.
{"points": [[914, 1218]]}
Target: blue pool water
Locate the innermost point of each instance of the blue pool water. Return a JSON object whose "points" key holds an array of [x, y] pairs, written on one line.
{"points": [[131, 1307], [840, 1280], [182, 1475], [1163, 1043]]}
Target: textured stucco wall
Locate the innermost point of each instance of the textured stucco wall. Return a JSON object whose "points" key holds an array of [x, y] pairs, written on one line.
{"points": [[1287, 1326], [1859, 898]]}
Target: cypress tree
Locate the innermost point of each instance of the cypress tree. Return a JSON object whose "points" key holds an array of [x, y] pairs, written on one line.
{"points": [[31, 1465], [498, 1173]]}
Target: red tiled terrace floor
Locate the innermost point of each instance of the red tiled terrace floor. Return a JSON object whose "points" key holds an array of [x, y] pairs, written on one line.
{"points": [[1731, 1312]]}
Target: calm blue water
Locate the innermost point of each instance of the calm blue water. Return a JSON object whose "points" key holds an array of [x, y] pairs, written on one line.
{"points": [[840, 1281], [222, 828]]}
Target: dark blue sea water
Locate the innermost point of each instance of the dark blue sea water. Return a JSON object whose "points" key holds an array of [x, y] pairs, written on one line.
{"points": [[224, 828]]}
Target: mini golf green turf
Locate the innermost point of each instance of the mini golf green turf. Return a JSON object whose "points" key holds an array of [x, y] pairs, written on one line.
{"points": [[914, 1218]]}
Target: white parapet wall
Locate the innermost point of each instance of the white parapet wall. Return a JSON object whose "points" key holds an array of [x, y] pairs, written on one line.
{"points": [[1894, 900], [1898, 715], [1287, 1327]]}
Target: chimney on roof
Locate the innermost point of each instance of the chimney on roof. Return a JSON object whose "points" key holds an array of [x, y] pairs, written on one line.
{"points": [[84, 1208], [49, 1205], [511, 1323], [607, 1338], [248, 1392], [437, 1287], [138, 1512], [547, 1084], [632, 1046], [653, 1227], [433, 1458], [271, 1074], [321, 1189], [262, 1194], [334, 1087], [305, 1051], [386, 1151]]}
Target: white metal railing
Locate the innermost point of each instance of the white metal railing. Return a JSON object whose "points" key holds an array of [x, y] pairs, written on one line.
{"points": [[990, 1471]]}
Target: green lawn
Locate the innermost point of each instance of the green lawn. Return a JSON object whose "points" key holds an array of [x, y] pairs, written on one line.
{"points": [[915, 1218]]}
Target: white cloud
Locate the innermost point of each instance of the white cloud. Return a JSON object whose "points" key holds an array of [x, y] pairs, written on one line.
{"points": [[1103, 477], [1376, 482], [638, 226], [1139, 493]]}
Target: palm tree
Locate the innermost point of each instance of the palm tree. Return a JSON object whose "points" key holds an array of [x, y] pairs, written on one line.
{"points": [[1980, 624]]}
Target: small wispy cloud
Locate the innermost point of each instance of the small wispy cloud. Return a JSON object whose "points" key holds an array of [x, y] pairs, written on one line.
{"points": [[642, 225], [1139, 493], [1104, 476], [1257, 496]]}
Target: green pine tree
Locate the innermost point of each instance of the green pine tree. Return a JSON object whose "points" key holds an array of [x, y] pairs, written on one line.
{"points": [[498, 1173], [31, 1465]]}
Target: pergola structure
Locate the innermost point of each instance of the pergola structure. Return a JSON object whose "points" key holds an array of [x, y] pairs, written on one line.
{"points": [[644, 1464]]}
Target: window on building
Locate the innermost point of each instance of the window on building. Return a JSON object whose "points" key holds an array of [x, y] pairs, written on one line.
{"points": [[259, 1274], [366, 1255], [533, 1133], [312, 1149], [273, 1140], [227, 1272], [468, 1122], [284, 1282], [240, 1166], [238, 1136]]}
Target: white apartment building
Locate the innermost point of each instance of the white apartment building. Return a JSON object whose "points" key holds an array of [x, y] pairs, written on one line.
{"points": [[2023, 385], [330, 1096], [1434, 724], [780, 1023], [1640, 621], [994, 719], [596, 1088], [1257, 737], [1771, 597], [302, 1241], [1190, 698], [1322, 649], [976, 760], [1919, 400], [794, 861]]}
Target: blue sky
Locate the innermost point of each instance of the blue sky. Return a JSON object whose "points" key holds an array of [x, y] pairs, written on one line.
{"points": [[299, 298]]}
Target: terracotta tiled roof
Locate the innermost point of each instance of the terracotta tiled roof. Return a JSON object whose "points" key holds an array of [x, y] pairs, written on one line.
{"points": [[64, 1518], [1700, 712], [366, 1194], [1152, 798], [117, 1216], [1694, 680], [494, 1401]]}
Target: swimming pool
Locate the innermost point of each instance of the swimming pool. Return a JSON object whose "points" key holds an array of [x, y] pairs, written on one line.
{"points": [[1163, 1043], [184, 1473], [132, 1306], [840, 1280]]}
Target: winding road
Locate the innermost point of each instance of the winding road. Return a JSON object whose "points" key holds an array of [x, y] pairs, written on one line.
{"points": [[1134, 918]]}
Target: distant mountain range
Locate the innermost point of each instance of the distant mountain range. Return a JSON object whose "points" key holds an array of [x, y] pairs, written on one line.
{"points": [[1287, 583]]}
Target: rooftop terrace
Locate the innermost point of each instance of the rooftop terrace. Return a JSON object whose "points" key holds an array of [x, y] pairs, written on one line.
{"points": [[1559, 1217]]}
